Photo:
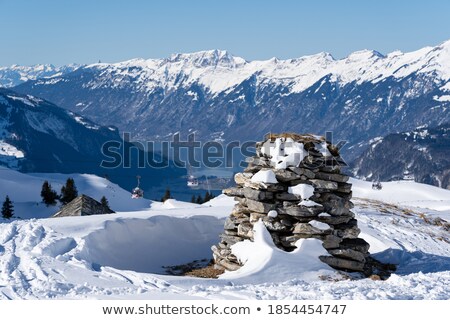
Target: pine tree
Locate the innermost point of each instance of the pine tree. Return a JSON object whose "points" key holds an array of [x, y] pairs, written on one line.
{"points": [[7, 208], [49, 196], [166, 195], [199, 199], [193, 199], [105, 204], [69, 191], [207, 197]]}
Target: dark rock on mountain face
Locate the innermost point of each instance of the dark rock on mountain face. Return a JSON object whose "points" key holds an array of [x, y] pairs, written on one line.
{"points": [[421, 155], [51, 139]]}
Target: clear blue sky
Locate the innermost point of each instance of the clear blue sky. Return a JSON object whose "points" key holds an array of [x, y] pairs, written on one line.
{"points": [[84, 31]]}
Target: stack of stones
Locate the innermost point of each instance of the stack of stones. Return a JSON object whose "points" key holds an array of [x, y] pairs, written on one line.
{"points": [[294, 185]]}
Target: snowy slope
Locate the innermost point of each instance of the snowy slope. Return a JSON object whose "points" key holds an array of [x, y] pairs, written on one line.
{"points": [[24, 190], [404, 193], [122, 255]]}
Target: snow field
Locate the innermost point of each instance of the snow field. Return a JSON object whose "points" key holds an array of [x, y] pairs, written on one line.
{"points": [[121, 256]]}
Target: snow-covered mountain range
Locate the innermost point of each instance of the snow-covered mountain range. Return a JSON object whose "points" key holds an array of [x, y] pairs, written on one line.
{"points": [[360, 97], [15, 74], [421, 155]]}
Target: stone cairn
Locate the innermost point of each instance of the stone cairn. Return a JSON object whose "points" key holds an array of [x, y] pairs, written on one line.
{"points": [[294, 185]]}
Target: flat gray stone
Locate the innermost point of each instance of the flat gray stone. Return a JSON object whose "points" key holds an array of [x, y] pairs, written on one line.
{"points": [[308, 229], [302, 172], [333, 220], [222, 245], [332, 176], [234, 192], [228, 265], [348, 254], [240, 211], [248, 193], [225, 252], [284, 175], [344, 187], [231, 232], [352, 232], [257, 206], [244, 180], [331, 242], [335, 205], [257, 194], [230, 239], [297, 211], [284, 196], [289, 241], [245, 230], [322, 184], [357, 244], [255, 216], [343, 264], [229, 224]]}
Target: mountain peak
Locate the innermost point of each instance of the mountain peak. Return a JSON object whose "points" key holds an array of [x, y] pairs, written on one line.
{"points": [[323, 56], [207, 58], [365, 54]]}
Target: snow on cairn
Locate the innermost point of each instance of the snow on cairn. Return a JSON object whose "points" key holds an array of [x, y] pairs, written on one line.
{"points": [[284, 152], [305, 191], [307, 199], [264, 176]]}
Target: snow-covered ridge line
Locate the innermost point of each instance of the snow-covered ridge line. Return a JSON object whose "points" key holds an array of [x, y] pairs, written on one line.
{"points": [[13, 75], [218, 70]]}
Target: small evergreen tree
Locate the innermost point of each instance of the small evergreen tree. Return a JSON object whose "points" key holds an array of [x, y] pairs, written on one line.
{"points": [[69, 191], [193, 199], [208, 196], [105, 204], [199, 199], [49, 196], [166, 195], [7, 208]]}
